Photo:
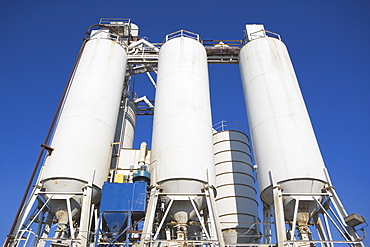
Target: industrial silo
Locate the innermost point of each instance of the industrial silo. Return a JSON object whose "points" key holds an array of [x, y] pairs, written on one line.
{"points": [[201, 191], [182, 149], [236, 202], [85, 129], [285, 147]]}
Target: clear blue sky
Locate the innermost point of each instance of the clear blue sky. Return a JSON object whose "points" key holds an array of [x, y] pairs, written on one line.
{"points": [[328, 42]]}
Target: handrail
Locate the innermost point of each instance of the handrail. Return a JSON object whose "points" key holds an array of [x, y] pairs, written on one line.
{"points": [[265, 34], [229, 125], [222, 43], [111, 33], [182, 33], [107, 21]]}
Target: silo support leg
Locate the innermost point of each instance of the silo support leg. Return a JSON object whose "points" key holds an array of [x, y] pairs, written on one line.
{"points": [[163, 219], [267, 225], [70, 221], [22, 219], [46, 229], [341, 212], [199, 217], [210, 199], [83, 233], [84, 228], [149, 217], [279, 216], [321, 231]]}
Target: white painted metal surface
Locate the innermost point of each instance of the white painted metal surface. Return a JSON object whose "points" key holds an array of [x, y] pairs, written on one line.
{"points": [[182, 149], [236, 196], [129, 124], [255, 31], [83, 136], [285, 147], [131, 158]]}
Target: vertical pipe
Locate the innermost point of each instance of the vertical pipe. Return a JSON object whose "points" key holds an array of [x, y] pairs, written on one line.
{"points": [[128, 127]]}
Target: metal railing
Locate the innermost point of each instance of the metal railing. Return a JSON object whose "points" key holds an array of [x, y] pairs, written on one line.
{"points": [[110, 21], [265, 33], [115, 29], [228, 125], [105, 34], [182, 33], [219, 43]]}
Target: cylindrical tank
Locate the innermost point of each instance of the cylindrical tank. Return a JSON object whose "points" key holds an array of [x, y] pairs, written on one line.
{"points": [[182, 148], [125, 129], [236, 202], [283, 139], [86, 126], [127, 123]]}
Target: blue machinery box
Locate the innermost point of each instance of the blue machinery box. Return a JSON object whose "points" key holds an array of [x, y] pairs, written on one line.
{"points": [[120, 204], [123, 197]]}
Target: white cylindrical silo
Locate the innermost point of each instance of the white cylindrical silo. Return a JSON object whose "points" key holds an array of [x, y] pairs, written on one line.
{"points": [[284, 143], [86, 126], [236, 202], [128, 118], [182, 148]]}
